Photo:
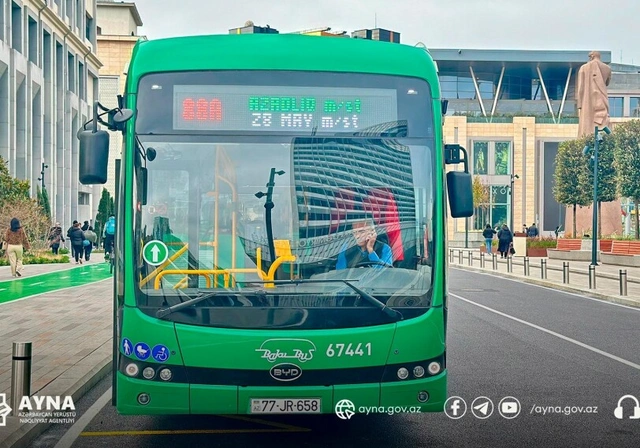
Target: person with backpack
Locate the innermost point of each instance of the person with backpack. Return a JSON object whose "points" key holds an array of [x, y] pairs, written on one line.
{"points": [[90, 239], [108, 236]]}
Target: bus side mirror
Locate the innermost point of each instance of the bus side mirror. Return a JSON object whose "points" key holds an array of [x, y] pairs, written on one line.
{"points": [[459, 183], [94, 144], [94, 157], [460, 189]]}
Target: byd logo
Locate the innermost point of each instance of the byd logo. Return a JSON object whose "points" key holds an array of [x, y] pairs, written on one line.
{"points": [[285, 372]]}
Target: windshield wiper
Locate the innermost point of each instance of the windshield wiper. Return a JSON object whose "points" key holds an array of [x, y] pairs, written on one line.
{"points": [[395, 315], [199, 298]]}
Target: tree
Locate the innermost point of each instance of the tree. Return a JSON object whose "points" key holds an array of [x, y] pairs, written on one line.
{"points": [[10, 187], [43, 202], [571, 176], [106, 208], [480, 200], [626, 139], [15, 202], [607, 185]]}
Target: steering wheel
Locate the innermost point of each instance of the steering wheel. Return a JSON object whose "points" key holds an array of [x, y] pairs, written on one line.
{"points": [[372, 263]]}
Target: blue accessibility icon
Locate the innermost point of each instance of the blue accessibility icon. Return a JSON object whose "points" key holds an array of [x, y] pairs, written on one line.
{"points": [[127, 347], [160, 353], [142, 350]]}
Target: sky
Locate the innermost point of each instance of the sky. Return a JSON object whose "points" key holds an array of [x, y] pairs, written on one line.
{"points": [[463, 24]]}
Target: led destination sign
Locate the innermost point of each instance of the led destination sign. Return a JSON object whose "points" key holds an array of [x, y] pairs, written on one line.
{"points": [[281, 108]]}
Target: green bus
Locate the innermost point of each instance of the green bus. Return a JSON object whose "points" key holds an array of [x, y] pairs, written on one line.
{"points": [[281, 226]]}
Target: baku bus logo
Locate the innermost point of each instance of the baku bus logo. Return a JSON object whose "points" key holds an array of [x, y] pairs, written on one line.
{"points": [[285, 372], [279, 349]]}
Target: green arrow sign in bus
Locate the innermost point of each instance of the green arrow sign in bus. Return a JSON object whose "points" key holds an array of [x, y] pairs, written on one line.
{"points": [[155, 252]]}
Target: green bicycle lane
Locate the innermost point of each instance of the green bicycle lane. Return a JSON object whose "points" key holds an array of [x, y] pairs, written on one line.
{"points": [[52, 281]]}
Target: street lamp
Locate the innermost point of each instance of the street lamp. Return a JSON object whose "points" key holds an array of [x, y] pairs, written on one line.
{"points": [[513, 178], [594, 231], [41, 178]]}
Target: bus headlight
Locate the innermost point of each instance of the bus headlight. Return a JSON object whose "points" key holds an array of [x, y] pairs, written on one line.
{"points": [[148, 373], [403, 373], [423, 396], [434, 368], [144, 399], [132, 369], [418, 371], [165, 374]]}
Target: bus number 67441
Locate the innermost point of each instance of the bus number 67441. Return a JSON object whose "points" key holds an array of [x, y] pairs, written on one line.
{"points": [[348, 350]]}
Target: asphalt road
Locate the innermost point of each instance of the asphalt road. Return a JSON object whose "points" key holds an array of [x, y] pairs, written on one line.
{"points": [[566, 359]]}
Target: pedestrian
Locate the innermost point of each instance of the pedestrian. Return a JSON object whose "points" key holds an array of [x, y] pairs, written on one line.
{"points": [[90, 239], [488, 234], [77, 237], [505, 239], [69, 236], [55, 237], [85, 226], [532, 231], [108, 236], [16, 241]]}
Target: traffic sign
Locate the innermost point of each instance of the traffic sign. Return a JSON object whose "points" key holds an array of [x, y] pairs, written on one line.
{"points": [[155, 252]]}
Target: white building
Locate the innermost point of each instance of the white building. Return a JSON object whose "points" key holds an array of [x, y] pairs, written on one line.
{"points": [[48, 80]]}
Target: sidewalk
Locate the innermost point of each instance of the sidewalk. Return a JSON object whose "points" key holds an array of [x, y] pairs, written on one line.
{"points": [[71, 335], [607, 285]]}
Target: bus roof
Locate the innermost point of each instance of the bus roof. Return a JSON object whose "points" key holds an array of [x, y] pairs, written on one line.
{"points": [[280, 52]]}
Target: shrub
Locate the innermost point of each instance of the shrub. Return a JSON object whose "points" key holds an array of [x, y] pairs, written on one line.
{"points": [[547, 242]]}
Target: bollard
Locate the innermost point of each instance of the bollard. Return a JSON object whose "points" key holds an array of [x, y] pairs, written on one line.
{"points": [[459, 257], [526, 266], [592, 277], [482, 259], [495, 262], [543, 269], [623, 282], [470, 258], [565, 272], [20, 374], [451, 255], [509, 264]]}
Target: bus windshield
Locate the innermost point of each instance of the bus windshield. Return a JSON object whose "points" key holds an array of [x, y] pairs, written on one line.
{"points": [[278, 187], [354, 209]]}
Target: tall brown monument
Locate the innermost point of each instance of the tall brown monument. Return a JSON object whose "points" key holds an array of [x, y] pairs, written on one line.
{"points": [[592, 103]]}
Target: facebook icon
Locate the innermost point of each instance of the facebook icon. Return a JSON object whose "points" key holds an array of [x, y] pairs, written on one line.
{"points": [[455, 407]]}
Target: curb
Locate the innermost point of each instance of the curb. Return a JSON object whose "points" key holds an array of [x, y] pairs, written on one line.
{"points": [[26, 433], [539, 282]]}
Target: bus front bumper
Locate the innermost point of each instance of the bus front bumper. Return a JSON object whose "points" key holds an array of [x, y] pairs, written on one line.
{"points": [[139, 397]]}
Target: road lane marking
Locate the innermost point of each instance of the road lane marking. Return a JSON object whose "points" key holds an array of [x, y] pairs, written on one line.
{"points": [[265, 422], [549, 288], [78, 427], [553, 333], [72, 434]]}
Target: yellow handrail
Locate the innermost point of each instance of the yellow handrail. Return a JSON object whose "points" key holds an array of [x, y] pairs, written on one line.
{"points": [[203, 272], [170, 260], [227, 273]]}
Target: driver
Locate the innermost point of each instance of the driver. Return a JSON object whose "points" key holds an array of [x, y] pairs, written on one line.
{"points": [[367, 249]]}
